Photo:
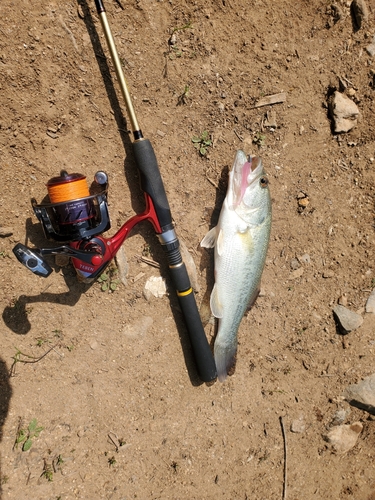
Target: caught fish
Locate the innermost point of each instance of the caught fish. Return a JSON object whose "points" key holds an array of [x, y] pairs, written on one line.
{"points": [[241, 240]]}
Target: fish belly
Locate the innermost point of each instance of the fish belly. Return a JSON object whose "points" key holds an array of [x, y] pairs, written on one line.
{"points": [[238, 270]]}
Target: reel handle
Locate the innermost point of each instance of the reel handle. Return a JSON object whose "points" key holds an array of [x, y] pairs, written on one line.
{"points": [[32, 260]]}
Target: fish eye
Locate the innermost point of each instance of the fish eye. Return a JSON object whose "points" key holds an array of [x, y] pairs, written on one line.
{"points": [[263, 182]]}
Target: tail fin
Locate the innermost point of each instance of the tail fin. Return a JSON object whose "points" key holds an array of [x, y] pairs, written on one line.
{"points": [[224, 358]]}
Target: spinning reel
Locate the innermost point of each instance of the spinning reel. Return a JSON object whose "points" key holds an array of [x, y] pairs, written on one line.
{"points": [[75, 215]]}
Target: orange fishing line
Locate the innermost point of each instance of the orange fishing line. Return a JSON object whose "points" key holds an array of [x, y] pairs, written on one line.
{"points": [[68, 191]]}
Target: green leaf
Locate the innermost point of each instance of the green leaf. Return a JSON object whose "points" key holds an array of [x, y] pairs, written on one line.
{"points": [[196, 139], [113, 286], [104, 287], [202, 151], [21, 436], [32, 425], [103, 277], [37, 431], [27, 445]]}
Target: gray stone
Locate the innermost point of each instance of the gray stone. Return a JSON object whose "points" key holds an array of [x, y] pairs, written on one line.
{"points": [[347, 320], [362, 395], [343, 111], [340, 416]]}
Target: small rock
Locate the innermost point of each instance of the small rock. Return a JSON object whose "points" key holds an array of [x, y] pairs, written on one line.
{"points": [[122, 265], [5, 231], [94, 345], [351, 92], [270, 120], [343, 111], [359, 12], [362, 395], [328, 274], [172, 39], [370, 49], [343, 300], [370, 304], [303, 202], [340, 416], [155, 286], [343, 437], [298, 425], [347, 320], [305, 258], [294, 264]]}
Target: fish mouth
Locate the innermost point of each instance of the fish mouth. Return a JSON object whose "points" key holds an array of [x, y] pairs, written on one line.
{"points": [[245, 170]]}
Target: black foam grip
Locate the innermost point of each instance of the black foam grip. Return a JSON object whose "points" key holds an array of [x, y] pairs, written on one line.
{"points": [[201, 349], [151, 180]]}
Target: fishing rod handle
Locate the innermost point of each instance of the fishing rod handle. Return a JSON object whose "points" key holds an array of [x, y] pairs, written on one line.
{"points": [[201, 349], [152, 184], [151, 181]]}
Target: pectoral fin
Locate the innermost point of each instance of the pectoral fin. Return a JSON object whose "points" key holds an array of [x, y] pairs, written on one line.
{"points": [[210, 239], [216, 306]]}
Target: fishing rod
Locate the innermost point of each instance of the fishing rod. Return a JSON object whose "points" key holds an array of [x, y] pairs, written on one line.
{"points": [[76, 215], [152, 184]]}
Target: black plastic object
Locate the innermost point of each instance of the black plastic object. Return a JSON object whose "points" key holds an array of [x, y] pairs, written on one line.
{"points": [[32, 260], [202, 351], [151, 180]]}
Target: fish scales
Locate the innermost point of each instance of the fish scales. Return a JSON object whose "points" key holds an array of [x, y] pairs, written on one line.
{"points": [[241, 240]]}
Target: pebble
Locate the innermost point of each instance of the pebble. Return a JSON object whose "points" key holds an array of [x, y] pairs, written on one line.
{"points": [[370, 304], [5, 231], [340, 416], [305, 258], [359, 12], [294, 264], [270, 119], [343, 300], [298, 425], [343, 111], [370, 49], [362, 395], [94, 345], [343, 437], [328, 274], [155, 286], [347, 320]]}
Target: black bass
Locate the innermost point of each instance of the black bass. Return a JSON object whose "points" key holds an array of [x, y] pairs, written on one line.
{"points": [[241, 240]]}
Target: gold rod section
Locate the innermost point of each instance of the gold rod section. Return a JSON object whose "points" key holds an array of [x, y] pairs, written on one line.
{"points": [[119, 72]]}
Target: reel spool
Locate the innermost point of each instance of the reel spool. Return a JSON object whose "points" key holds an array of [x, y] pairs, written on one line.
{"points": [[73, 212]]}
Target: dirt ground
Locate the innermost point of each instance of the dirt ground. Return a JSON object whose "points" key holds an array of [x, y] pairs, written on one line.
{"points": [[123, 412]]}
